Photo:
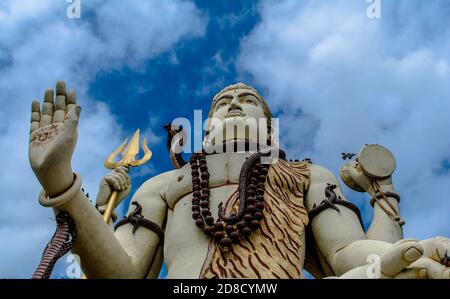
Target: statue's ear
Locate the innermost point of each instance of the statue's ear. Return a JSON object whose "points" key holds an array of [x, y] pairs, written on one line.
{"points": [[207, 126], [207, 129], [272, 141]]}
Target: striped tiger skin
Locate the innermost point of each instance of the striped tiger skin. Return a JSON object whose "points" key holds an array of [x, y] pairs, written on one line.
{"points": [[272, 251]]}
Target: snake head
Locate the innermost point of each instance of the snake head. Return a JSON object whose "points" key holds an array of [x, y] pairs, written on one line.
{"points": [[137, 210]]}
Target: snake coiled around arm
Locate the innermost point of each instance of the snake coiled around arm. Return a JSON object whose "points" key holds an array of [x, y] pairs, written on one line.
{"points": [[61, 243]]}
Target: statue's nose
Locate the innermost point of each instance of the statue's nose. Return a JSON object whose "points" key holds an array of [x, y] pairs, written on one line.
{"points": [[234, 105]]}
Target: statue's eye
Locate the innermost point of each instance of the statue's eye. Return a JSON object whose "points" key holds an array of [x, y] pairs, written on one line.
{"points": [[249, 100], [220, 105]]}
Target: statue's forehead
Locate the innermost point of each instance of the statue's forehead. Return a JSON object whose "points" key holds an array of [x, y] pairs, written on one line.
{"points": [[238, 91]]}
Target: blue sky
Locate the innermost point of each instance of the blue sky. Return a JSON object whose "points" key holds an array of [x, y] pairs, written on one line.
{"points": [[336, 78]]}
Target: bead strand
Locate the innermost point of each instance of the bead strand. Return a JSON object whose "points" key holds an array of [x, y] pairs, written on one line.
{"points": [[226, 234]]}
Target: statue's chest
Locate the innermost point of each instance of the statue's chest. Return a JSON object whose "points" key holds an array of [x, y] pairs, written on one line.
{"points": [[224, 169], [276, 248]]}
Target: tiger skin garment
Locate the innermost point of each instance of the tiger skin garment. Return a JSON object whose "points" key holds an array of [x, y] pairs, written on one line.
{"points": [[272, 251]]}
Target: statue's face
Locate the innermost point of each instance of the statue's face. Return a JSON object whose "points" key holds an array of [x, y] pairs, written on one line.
{"points": [[240, 109]]}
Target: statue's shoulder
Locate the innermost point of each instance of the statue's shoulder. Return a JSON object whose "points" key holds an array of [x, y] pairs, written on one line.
{"points": [[163, 180], [168, 184], [319, 173]]}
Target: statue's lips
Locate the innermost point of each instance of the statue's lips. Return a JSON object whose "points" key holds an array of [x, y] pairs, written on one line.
{"points": [[235, 113]]}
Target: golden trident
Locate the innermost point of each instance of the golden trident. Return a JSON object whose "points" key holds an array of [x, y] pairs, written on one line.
{"points": [[128, 160]]}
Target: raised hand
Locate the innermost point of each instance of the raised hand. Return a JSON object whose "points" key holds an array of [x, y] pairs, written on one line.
{"points": [[53, 136]]}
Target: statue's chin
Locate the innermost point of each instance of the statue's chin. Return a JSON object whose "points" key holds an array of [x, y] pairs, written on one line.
{"points": [[235, 145], [235, 130], [235, 116], [235, 139]]}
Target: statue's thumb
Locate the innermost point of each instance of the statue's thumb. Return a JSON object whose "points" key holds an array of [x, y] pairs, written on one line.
{"points": [[71, 121], [400, 256]]}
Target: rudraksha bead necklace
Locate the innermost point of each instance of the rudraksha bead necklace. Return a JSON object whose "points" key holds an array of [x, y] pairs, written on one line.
{"points": [[228, 230]]}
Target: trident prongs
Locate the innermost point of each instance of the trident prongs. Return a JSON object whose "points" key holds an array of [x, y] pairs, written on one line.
{"points": [[129, 153], [128, 160]]}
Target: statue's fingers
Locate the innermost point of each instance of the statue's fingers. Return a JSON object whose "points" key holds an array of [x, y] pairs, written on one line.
{"points": [[438, 271], [35, 116], [434, 270], [71, 121], [128, 180], [425, 268], [59, 115], [357, 174], [447, 273], [71, 100], [61, 88], [103, 193], [73, 114], [60, 109], [117, 184], [121, 179], [419, 273], [47, 108], [113, 181], [400, 256], [121, 170], [442, 249], [60, 102]]}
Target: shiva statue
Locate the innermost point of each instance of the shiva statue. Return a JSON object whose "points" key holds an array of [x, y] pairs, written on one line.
{"points": [[236, 209]]}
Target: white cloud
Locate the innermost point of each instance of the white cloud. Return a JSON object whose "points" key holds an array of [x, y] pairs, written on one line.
{"points": [[340, 80], [214, 75], [39, 45]]}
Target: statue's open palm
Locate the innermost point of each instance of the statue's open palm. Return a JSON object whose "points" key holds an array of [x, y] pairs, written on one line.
{"points": [[53, 136]]}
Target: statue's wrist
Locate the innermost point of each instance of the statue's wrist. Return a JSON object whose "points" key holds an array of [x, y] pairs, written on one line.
{"points": [[58, 183], [383, 188], [54, 201], [384, 193]]}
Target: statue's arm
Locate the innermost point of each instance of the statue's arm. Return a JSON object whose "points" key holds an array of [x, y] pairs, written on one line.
{"points": [[145, 246], [53, 136], [332, 230], [342, 245], [386, 224], [123, 254]]}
